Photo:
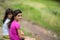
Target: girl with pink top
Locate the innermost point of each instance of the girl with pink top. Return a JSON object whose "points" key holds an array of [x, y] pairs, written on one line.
{"points": [[14, 26]]}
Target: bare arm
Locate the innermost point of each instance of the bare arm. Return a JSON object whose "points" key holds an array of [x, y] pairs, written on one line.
{"points": [[20, 33]]}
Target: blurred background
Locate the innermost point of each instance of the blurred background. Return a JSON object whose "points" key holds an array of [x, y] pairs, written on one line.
{"points": [[39, 15]]}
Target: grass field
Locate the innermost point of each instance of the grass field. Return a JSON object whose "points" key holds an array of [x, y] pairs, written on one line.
{"points": [[46, 15]]}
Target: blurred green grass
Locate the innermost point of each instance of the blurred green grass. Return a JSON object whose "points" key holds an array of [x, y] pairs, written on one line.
{"points": [[1, 15], [47, 20], [26, 33], [48, 17]]}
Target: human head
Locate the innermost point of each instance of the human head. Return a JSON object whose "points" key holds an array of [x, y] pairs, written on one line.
{"points": [[17, 15], [8, 14]]}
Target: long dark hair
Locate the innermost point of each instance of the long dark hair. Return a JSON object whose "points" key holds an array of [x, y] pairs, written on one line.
{"points": [[16, 12], [7, 12]]}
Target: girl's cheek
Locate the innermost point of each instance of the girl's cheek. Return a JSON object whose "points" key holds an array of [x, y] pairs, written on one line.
{"points": [[9, 16], [20, 17]]}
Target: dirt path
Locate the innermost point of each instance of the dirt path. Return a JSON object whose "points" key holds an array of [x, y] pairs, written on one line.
{"points": [[37, 30]]}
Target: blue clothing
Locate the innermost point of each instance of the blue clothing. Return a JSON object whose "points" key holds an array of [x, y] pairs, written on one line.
{"points": [[5, 27]]}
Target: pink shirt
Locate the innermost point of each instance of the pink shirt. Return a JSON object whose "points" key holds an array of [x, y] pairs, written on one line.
{"points": [[13, 30]]}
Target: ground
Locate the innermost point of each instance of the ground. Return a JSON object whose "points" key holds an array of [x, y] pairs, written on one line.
{"points": [[37, 31]]}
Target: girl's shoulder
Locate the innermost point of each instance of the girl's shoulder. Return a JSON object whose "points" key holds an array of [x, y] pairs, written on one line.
{"points": [[15, 23], [6, 21]]}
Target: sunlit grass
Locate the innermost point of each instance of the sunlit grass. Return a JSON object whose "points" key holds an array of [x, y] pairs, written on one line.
{"points": [[1, 16], [47, 20], [44, 17]]}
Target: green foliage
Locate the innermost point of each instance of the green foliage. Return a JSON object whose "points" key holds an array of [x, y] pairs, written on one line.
{"points": [[2, 1], [57, 0], [26, 33], [48, 17]]}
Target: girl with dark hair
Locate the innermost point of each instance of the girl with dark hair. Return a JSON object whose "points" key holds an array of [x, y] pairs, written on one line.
{"points": [[7, 17], [14, 26]]}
